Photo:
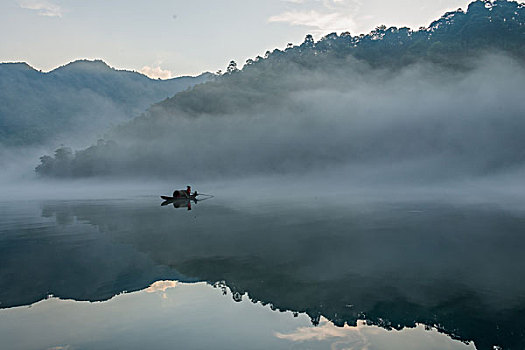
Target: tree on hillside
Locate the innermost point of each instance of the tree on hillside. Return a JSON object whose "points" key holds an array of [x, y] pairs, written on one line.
{"points": [[232, 67]]}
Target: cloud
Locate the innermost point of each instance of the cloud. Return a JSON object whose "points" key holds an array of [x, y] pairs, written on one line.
{"points": [[43, 7], [322, 16], [156, 72], [364, 337], [320, 22], [326, 330], [161, 286]]}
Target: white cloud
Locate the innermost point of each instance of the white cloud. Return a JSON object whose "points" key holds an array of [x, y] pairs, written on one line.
{"points": [[326, 330], [156, 72], [43, 7], [161, 286], [364, 337], [318, 21], [323, 16]]}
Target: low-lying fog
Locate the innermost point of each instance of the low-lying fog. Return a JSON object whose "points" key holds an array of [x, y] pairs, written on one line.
{"points": [[419, 129]]}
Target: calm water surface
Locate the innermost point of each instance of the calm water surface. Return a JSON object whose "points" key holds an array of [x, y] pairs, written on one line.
{"points": [[261, 273]]}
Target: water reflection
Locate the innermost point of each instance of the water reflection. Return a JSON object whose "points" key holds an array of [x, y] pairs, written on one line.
{"points": [[60, 254], [170, 315], [456, 268], [180, 203], [364, 336]]}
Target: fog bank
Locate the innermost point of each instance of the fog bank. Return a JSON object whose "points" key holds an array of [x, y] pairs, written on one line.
{"points": [[421, 124]]}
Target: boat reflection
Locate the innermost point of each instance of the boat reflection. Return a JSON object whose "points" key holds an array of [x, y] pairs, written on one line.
{"points": [[184, 202], [180, 203]]}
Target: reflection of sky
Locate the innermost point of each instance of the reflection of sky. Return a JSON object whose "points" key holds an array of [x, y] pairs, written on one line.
{"points": [[175, 315], [372, 337], [161, 286]]}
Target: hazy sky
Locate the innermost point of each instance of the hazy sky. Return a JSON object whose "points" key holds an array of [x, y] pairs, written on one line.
{"points": [[174, 37]]}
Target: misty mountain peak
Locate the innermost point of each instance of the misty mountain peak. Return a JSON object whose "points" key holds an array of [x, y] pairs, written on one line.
{"points": [[84, 65], [16, 66], [80, 97]]}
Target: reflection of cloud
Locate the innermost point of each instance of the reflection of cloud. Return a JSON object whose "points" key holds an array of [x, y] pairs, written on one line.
{"points": [[326, 331], [161, 286], [322, 16], [364, 337], [43, 7], [156, 72]]}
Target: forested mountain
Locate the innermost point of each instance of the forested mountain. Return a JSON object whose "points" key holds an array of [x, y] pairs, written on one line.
{"points": [[443, 99], [80, 97], [452, 41]]}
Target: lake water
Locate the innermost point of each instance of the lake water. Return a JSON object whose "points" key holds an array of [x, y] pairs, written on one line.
{"points": [[262, 272]]}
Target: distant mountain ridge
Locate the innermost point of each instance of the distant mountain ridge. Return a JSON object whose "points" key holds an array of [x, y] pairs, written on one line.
{"points": [[82, 97]]}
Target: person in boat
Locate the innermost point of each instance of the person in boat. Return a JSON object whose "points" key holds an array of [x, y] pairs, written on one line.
{"points": [[177, 194]]}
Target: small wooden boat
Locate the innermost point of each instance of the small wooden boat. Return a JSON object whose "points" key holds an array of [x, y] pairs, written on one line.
{"points": [[183, 198], [167, 198]]}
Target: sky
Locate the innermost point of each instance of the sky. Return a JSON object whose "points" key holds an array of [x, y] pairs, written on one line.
{"points": [[169, 38]]}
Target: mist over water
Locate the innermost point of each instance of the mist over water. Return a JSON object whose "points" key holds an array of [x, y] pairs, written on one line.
{"points": [[424, 123], [422, 131]]}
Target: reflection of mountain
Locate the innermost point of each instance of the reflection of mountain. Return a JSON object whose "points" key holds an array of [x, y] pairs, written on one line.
{"points": [[458, 268], [71, 261]]}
